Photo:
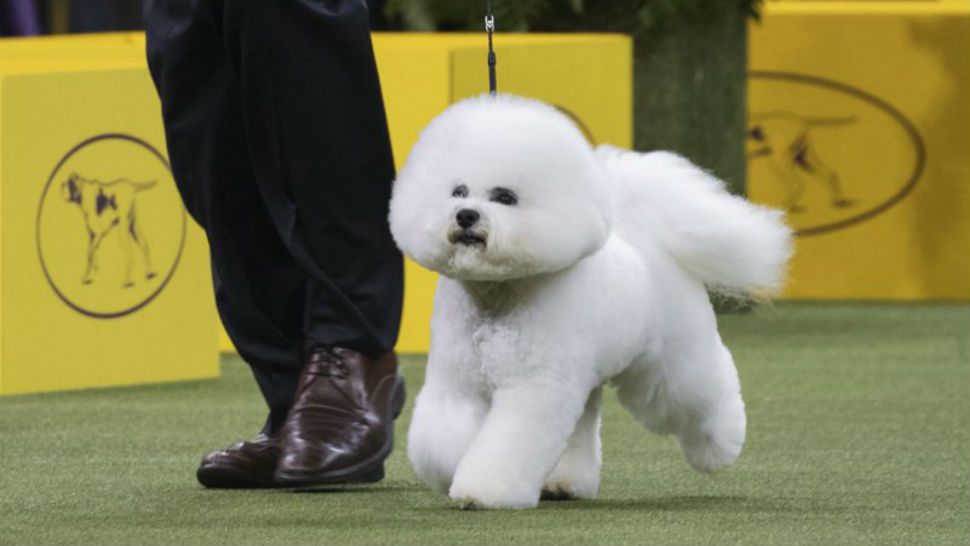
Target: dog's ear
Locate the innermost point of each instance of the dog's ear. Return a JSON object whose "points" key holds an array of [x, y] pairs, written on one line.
{"points": [[74, 193]]}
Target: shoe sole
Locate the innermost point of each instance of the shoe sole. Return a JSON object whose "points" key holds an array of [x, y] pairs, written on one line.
{"points": [[370, 470], [225, 477]]}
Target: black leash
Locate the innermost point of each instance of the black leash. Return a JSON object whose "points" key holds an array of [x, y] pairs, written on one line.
{"points": [[490, 28]]}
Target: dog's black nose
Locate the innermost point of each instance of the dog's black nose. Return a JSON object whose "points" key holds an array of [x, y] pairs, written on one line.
{"points": [[467, 218]]}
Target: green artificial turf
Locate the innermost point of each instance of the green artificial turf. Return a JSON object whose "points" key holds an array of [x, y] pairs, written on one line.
{"points": [[859, 433]]}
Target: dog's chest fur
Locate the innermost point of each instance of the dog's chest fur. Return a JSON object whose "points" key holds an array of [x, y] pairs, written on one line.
{"points": [[498, 332]]}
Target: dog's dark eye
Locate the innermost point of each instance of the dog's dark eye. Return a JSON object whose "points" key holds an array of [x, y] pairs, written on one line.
{"points": [[460, 191], [503, 196]]}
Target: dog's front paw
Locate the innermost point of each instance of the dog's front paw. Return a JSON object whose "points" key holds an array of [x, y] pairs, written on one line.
{"points": [[487, 492]]}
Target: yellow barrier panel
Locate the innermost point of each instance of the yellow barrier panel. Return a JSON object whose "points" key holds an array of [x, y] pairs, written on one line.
{"points": [[859, 124], [103, 279]]}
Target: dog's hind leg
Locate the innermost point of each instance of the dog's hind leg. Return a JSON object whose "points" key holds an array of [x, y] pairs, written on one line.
{"points": [[94, 242], [814, 166], [693, 392], [712, 438], [577, 475], [134, 228], [87, 277], [124, 237], [794, 185], [443, 425]]}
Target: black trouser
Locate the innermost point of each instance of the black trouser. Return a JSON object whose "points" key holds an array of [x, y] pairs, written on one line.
{"points": [[279, 146]]}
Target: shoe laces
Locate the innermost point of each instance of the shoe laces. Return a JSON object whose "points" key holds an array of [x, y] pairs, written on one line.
{"points": [[326, 363]]}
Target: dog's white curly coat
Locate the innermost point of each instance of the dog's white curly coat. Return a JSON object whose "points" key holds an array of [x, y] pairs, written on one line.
{"points": [[600, 273]]}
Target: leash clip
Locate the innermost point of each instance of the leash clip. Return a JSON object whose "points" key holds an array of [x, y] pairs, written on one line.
{"points": [[490, 28]]}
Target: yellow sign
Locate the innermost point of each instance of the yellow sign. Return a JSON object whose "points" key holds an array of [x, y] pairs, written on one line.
{"points": [[866, 147], [110, 228], [103, 280], [818, 165]]}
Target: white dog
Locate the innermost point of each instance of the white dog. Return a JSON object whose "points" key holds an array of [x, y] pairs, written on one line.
{"points": [[565, 268]]}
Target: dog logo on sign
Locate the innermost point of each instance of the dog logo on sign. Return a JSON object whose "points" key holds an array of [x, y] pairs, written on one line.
{"points": [[787, 140], [110, 207], [110, 226], [831, 154]]}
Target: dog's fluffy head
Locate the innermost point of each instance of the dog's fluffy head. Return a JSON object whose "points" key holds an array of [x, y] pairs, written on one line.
{"points": [[500, 188]]}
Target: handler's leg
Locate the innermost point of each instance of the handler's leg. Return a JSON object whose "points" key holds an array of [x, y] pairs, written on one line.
{"points": [[320, 150], [259, 287], [319, 145]]}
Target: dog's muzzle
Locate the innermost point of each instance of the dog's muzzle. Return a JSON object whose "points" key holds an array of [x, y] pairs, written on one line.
{"points": [[467, 237]]}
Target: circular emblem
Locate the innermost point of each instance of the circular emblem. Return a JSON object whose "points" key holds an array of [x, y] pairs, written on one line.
{"points": [[110, 226], [830, 154], [578, 121]]}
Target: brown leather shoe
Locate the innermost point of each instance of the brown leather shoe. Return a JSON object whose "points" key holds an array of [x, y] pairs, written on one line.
{"points": [[341, 426], [247, 464]]}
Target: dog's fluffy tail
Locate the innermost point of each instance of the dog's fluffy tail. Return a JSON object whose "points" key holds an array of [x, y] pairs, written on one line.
{"points": [[734, 247]]}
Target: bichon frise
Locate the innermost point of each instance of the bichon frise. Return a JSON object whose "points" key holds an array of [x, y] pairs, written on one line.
{"points": [[563, 268]]}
